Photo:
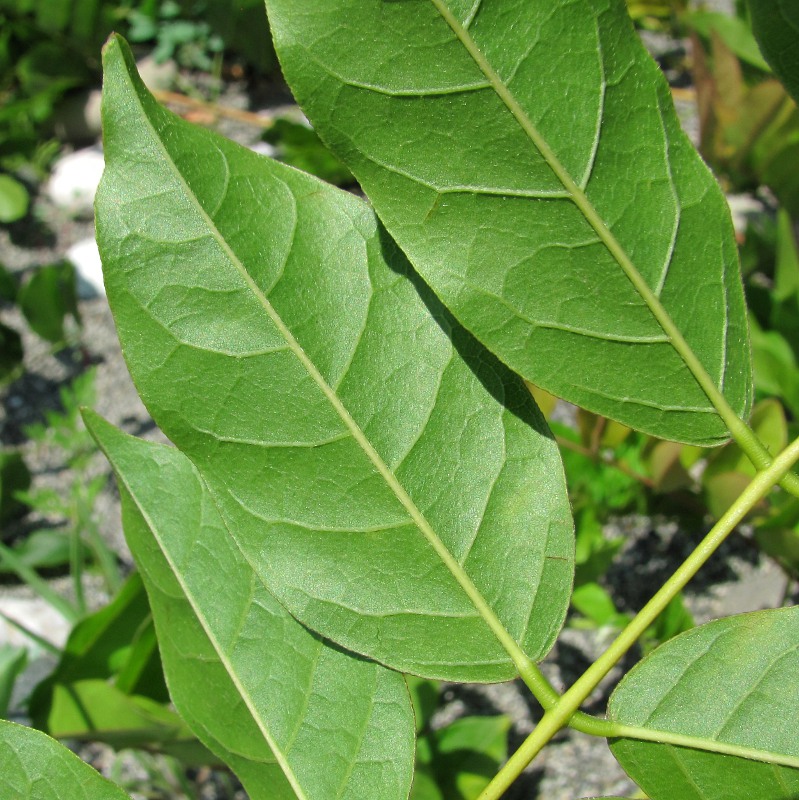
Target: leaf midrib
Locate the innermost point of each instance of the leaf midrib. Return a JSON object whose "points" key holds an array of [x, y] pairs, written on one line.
{"points": [[523, 663], [249, 702], [594, 219]]}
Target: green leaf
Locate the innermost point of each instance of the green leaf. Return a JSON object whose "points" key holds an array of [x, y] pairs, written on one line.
{"points": [[101, 646], [733, 31], [769, 423], [468, 753], [47, 298], [786, 262], [731, 682], [299, 146], [776, 371], [42, 549], [775, 24], [10, 351], [424, 784], [94, 710], [12, 661], [336, 724], [424, 697], [8, 285], [14, 477], [346, 426], [528, 160], [595, 603], [35, 767], [14, 199]]}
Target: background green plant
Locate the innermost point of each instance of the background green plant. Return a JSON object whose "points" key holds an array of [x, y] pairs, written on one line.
{"points": [[613, 469]]}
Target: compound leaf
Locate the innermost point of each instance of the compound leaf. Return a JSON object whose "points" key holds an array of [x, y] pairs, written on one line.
{"points": [[732, 681], [390, 481], [527, 158], [301, 720]]}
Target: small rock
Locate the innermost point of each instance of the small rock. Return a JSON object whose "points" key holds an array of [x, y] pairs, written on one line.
{"points": [[743, 207], [77, 118], [264, 149], [37, 616], [74, 181], [85, 257], [157, 77]]}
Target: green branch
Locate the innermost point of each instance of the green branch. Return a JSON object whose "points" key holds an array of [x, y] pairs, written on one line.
{"points": [[564, 712]]}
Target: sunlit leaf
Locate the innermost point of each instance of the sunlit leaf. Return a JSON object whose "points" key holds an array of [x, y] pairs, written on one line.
{"points": [[14, 199], [301, 719], [346, 426], [733, 681], [35, 767], [527, 158]]}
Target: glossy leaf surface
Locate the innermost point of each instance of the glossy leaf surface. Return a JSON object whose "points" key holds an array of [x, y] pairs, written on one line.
{"points": [[347, 428], [775, 24], [527, 158], [301, 719], [732, 681], [35, 767]]}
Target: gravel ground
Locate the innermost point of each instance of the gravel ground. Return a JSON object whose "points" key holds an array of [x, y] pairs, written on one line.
{"points": [[574, 765]]}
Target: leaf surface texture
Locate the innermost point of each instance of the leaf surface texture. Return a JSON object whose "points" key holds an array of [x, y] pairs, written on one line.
{"points": [[362, 448], [732, 681], [527, 158], [301, 719], [35, 767]]}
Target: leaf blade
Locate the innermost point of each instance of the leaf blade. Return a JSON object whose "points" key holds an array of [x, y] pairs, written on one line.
{"points": [[354, 434], [746, 664], [776, 26], [35, 767], [288, 696], [506, 199]]}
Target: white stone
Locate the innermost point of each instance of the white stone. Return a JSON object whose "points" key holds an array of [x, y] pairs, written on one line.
{"points": [[743, 207], [37, 616], [74, 181], [264, 149], [157, 77], [85, 257]]}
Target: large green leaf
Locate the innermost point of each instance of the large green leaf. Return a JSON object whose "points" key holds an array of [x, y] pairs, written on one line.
{"points": [[347, 428], [527, 158], [775, 24], [733, 681], [35, 767], [300, 719]]}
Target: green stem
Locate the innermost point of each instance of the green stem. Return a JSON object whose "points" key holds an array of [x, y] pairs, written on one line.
{"points": [[564, 711], [618, 730], [76, 567], [740, 431], [41, 587]]}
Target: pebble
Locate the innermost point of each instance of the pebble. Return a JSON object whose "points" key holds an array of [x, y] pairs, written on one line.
{"points": [[34, 614], [85, 257], [74, 181]]}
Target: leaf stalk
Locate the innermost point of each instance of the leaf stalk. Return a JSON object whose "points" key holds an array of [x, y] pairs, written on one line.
{"points": [[565, 711]]}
